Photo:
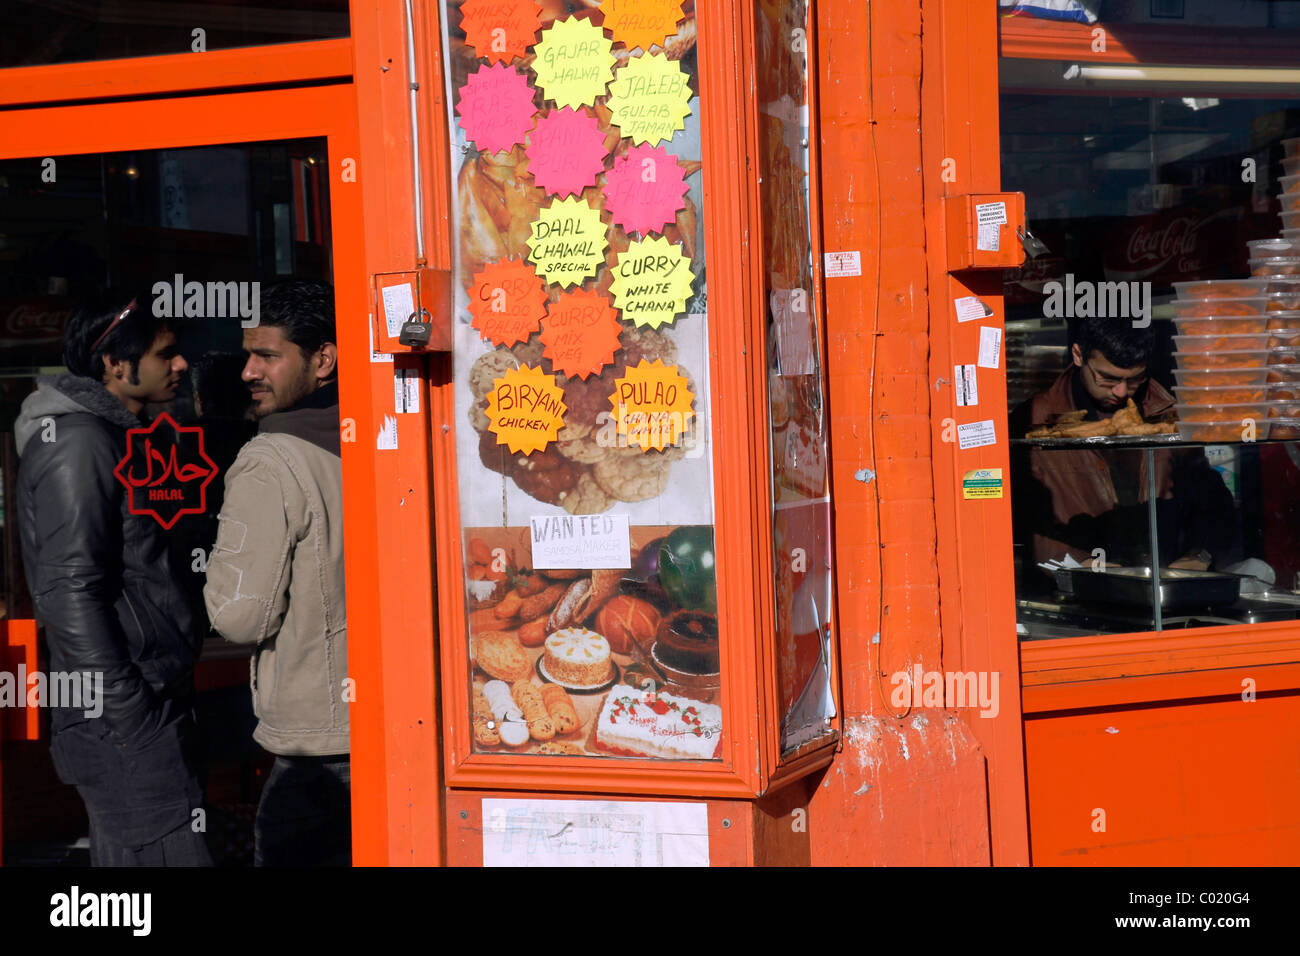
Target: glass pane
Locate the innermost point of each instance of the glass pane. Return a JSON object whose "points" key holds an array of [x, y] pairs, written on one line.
{"points": [[582, 379], [74, 227], [1129, 381], [37, 32], [801, 502]]}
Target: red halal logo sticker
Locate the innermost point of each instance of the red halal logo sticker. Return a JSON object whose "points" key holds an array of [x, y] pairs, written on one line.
{"points": [[165, 474]]}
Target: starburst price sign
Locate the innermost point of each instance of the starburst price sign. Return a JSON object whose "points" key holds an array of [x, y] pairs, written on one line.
{"points": [[645, 189], [566, 152], [580, 333], [652, 281], [642, 23], [496, 107], [649, 99], [507, 301], [574, 62], [525, 409], [500, 30], [567, 242], [652, 405]]}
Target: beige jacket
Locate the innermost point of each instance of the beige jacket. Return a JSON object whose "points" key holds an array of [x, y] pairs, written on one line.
{"points": [[275, 579]]}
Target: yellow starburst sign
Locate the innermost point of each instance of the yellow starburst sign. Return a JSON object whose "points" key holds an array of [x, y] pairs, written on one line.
{"points": [[652, 405], [574, 62], [652, 281], [649, 98], [525, 409], [567, 241]]}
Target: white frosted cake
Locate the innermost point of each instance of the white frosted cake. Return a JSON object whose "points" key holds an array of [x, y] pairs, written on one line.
{"points": [[645, 724], [577, 656]]}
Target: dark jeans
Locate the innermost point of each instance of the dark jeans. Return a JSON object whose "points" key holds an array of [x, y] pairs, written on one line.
{"points": [[141, 793], [305, 817]]}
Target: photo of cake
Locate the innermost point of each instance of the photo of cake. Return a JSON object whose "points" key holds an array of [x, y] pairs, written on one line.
{"points": [[688, 642], [649, 724], [577, 657]]}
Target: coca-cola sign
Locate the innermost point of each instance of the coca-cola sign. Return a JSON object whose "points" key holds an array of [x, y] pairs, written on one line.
{"points": [[1173, 245], [33, 320]]}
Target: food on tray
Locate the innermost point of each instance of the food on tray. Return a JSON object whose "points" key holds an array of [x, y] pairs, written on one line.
{"points": [[485, 725], [529, 698], [688, 642], [560, 708], [578, 657], [628, 623], [559, 748], [1127, 422], [649, 724], [499, 654]]}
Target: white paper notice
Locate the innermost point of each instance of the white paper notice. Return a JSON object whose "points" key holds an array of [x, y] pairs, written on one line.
{"points": [[990, 346], [579, 542], [594, 833], [989, 219], [970, 308], [976, 434], [387, 438], [406, 387], [399, 304], [963, 384], [376, 356], [840, 264]]}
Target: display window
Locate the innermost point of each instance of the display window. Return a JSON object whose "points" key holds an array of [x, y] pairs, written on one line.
{"points": [[1151, 346]]}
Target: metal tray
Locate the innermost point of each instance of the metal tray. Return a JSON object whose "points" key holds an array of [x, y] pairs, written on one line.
{"points": [[1132, 586]]}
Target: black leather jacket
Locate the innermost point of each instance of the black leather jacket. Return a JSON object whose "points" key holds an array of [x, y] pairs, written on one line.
{"points": [[100, 576]]}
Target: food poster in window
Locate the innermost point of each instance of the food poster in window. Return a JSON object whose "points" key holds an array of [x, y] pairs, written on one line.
{"points": [[801, 502], [582, 378]]}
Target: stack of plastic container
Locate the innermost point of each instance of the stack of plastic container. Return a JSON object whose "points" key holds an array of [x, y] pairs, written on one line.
{"points": [[1238, 341]]}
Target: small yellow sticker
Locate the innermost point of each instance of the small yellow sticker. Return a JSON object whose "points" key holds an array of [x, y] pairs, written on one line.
{"points": [[982, 483]]}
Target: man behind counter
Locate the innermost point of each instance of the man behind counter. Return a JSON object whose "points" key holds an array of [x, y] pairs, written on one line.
{"points": [[1073, 501]]}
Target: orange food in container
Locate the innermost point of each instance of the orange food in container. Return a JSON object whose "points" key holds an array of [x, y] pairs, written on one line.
{"points": [[1219, 394], [1252, 358], [1238, 412], [1284, 355], [1206, 308], [1282, 374], [1284, 409], [1219, 288], [1284, 319], [1220, 377], [1284, 428], [1275, 266], [1221, 431], [1220, 343], [1290, 202], [1284, 391], [1290, 220], [1222, 324], [1282, 302], [1291, 167], [1291, 148], [1288, 184], [1284, 338]]}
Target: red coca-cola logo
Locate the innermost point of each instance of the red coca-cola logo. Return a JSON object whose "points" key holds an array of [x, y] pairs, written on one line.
{"points": [[29, 321], [1159, 245], [165, 471]]}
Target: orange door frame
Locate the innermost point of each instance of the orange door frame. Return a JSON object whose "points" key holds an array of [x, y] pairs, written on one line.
{"points": [[961, 155], [329, 111]]}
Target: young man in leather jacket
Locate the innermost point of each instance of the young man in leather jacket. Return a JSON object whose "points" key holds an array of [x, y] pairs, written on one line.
{"points": [[105, 591], [275, 578]]}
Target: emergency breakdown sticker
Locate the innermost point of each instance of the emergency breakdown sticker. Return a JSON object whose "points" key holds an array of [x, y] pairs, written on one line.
{"points": [[982, 483]]}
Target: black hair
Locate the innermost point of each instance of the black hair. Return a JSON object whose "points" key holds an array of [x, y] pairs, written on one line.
{"points": [[1117, 340], [218, 386], [304, 309], [130, 341]]}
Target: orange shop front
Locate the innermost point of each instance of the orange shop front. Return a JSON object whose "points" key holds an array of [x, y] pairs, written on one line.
{"points": [[812, 500]]}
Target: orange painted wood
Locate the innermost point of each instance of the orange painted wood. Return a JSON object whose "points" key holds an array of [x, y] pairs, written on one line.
{"points": [[961, 155], [403, 784], [18, 647], [282, 64], [1191, 783], [1227, 682]]}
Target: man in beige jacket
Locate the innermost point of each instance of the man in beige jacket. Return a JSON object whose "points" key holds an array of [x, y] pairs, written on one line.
{"points": [[275, 577]]}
